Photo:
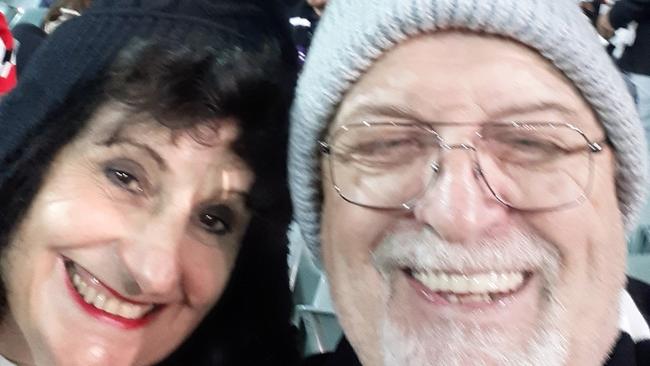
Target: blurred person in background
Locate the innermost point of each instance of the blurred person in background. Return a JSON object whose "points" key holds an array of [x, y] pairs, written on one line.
{"points": [[635, 60], [30, 36], [63, 10], [303, 17], [317, 5], [467, 172], [592, 8], [144, 191], [8, 58]]}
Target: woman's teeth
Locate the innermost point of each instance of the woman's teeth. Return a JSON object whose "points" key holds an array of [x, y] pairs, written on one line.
{"points": [[462, 288], [107, 302]]}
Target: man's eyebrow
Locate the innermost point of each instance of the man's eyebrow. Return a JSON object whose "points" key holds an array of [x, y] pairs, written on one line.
{"points": [[532, 107], [382, 110], [496, 113], [117, 139]]}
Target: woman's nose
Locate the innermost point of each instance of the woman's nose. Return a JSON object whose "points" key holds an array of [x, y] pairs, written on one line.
{"points": [[153, 255]]}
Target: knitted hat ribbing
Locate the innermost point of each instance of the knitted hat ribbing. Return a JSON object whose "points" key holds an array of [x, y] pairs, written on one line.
{"points": [[82, 48], [355, 33]]}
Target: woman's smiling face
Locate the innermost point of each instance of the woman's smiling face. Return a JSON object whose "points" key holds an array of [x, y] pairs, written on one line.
{"points": [[128, 244]]}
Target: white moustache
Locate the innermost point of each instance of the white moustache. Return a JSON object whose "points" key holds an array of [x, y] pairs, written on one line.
{"points": [[423, 249]]}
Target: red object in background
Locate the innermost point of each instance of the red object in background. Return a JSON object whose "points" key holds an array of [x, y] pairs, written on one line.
{"points": [[7, 58]]}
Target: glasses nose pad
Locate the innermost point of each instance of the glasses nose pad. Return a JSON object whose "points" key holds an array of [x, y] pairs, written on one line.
{"points": [[435, 170], [477, 169], [480, 175], [435, 167], [478, 172]]}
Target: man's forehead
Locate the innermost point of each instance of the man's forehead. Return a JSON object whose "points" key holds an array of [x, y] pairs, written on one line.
{"points": [[484, 74]]}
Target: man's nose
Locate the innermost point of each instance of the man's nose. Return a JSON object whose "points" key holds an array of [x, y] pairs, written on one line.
{"points": [[457, 204], [153, 256]]}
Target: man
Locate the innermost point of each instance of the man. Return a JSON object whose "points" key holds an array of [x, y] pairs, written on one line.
{"points": [[467, 171]]}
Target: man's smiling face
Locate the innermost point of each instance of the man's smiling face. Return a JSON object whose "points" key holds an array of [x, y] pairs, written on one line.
{"points": [[462, 279]]}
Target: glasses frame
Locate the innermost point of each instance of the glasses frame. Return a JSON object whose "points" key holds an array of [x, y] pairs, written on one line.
{"points": [[591, 146]]}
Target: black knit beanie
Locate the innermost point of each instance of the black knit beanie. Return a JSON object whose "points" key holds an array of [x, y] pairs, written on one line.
{"points": [[82, 48]]}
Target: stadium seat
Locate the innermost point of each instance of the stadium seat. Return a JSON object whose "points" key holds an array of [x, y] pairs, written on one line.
{"points": [[33, 16], [8, 11], [638, 266], [314, 314], [23, 4]]}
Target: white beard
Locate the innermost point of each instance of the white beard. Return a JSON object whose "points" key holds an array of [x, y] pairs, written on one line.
{"points": [[452, 343]]}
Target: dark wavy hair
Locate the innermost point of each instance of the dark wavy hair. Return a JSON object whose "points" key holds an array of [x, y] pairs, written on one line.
{"points": [[185, 87]]}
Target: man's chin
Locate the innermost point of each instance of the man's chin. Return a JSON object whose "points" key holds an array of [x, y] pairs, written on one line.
{"points": [[454, 344], [521, 329]]}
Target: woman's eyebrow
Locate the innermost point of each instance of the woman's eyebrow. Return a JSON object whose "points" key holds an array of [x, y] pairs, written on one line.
{"points": [[118, 139]]}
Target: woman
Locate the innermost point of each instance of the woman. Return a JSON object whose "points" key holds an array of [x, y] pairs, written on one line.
{"points": [[142, 180]]}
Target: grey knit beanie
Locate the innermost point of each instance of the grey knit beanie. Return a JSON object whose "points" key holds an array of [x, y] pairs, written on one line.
{"points": [[355, 33]]}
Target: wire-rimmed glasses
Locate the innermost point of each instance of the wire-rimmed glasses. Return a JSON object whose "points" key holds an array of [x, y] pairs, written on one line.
{"points": [[525, 165]]}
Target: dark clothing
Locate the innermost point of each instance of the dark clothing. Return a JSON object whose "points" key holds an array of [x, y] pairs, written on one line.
{"points": [[636, 58], [628, 353], [625, 353], [592, 10], [29, 38], [303, 33], [343, 356]]}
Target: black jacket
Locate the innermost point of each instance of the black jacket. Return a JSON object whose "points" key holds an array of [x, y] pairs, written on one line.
{"points": [[636, 57], [625, 353]]}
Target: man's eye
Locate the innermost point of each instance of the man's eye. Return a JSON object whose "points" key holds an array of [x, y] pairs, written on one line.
{"points": [[385, 151], [124, 180], [388, 146], [214, 224], [524, 150], [541, 148]]}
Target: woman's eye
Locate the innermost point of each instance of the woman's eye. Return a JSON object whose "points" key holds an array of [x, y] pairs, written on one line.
{"points": [[124, 180], [214, 224]]}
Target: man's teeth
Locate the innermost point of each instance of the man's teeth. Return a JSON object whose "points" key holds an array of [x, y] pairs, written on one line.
{"points": [[107, 302], [473, 288]]}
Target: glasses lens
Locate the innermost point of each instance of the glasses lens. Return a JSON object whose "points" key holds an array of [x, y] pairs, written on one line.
{"points": [[383, 165], [535, 166]]}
